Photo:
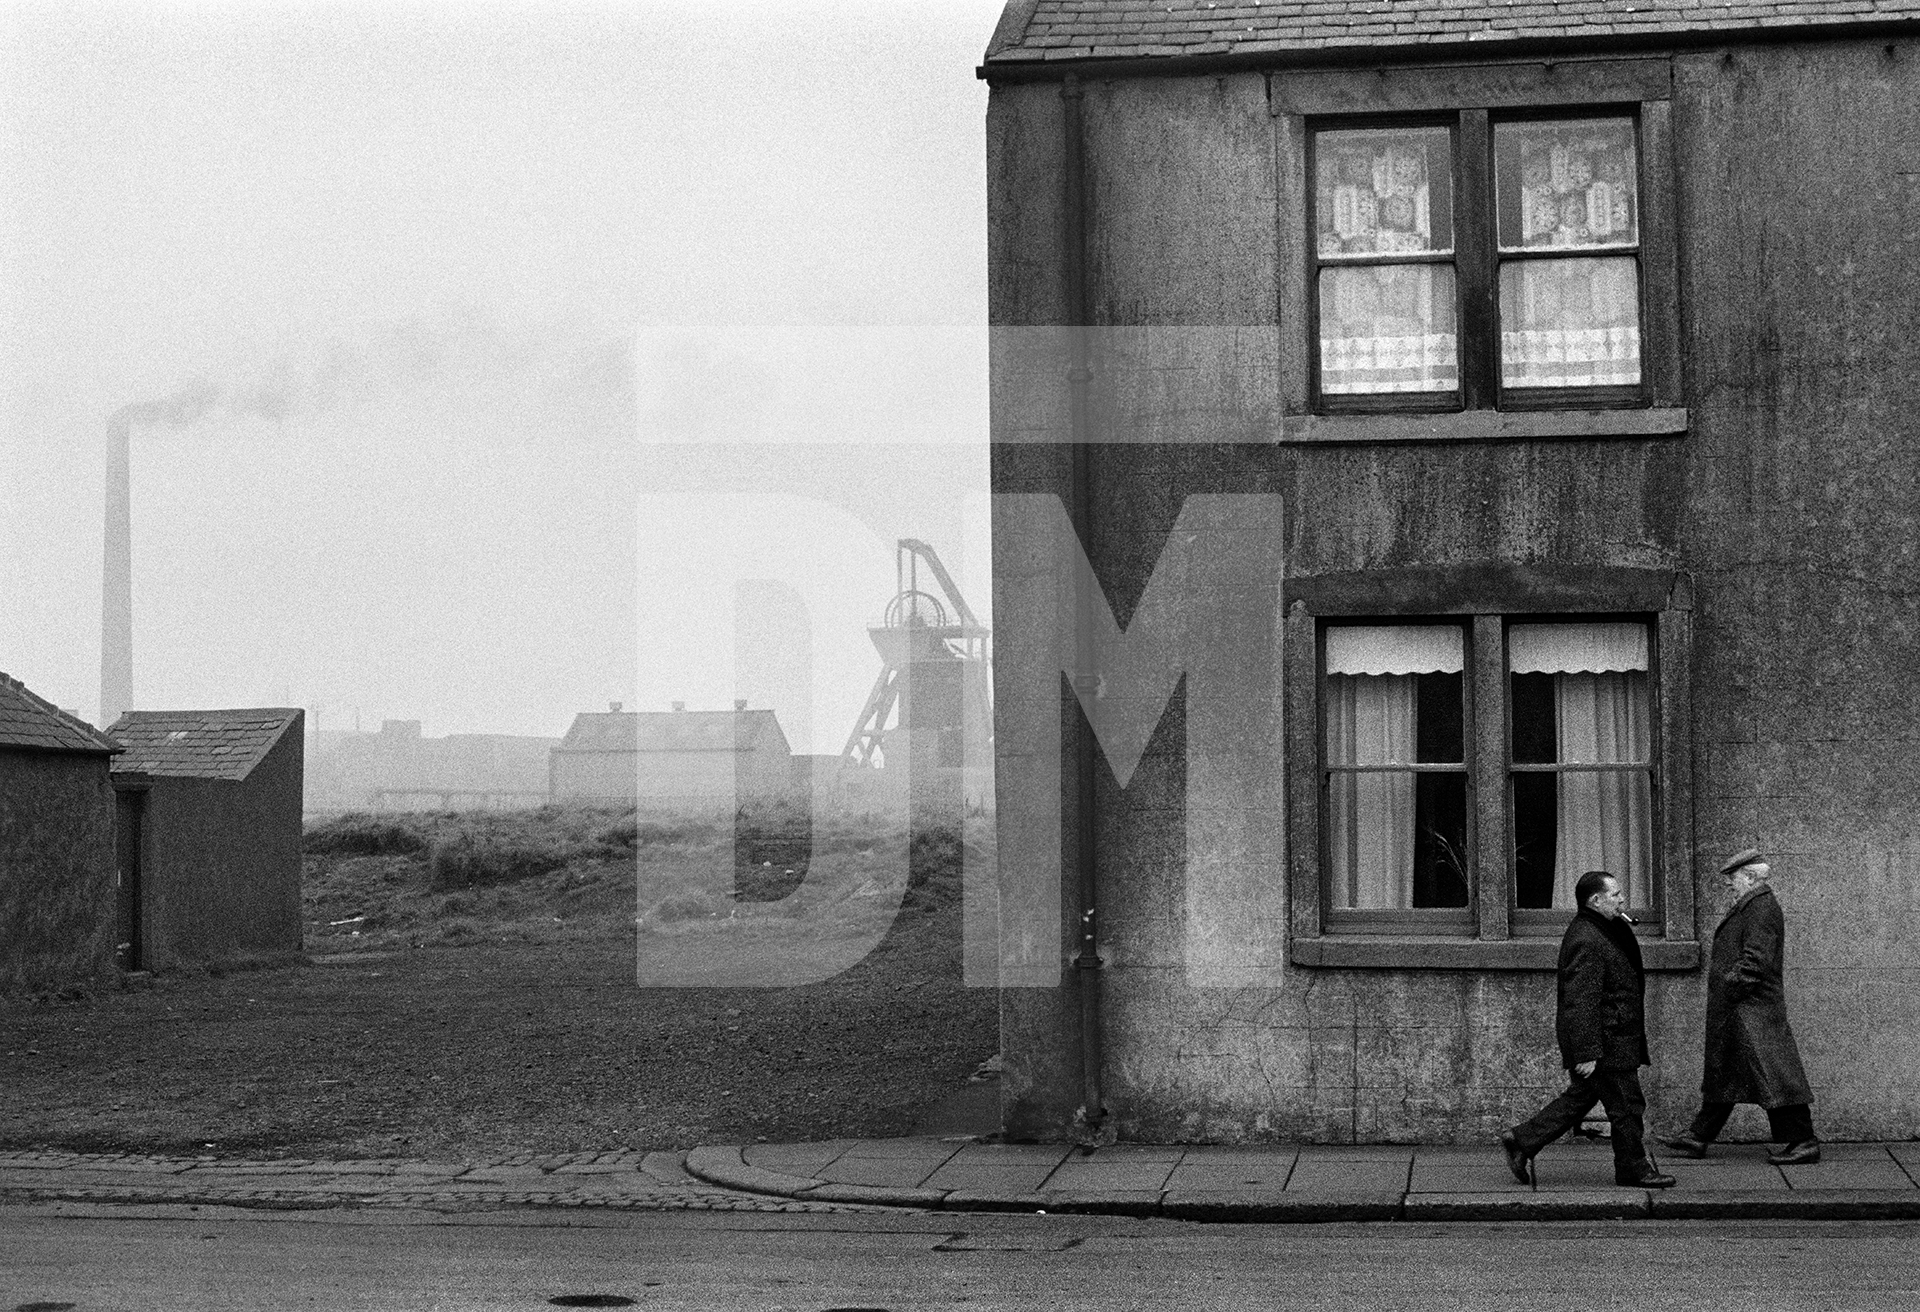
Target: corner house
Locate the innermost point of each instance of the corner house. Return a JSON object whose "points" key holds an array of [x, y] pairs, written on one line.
{"points": [[1493, 432]]}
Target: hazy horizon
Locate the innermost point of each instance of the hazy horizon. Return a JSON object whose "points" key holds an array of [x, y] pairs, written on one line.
{"points": [[407, 270]]}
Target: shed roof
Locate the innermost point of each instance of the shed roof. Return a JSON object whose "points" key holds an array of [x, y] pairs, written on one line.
{"points": [[200, 744], [31, 721], [1038, 31], [674, 731]]}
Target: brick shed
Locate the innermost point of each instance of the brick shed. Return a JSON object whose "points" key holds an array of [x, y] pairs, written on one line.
{"points": [[209, 833], [56, 844]]}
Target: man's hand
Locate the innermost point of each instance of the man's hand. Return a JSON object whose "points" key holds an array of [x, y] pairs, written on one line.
{"points": [[1586, 1069]]}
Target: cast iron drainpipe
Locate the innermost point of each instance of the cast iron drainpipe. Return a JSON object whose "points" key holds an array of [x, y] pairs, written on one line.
{"points": [[1086, 677]]}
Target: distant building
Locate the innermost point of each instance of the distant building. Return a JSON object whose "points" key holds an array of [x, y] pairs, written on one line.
{"points": [[56, 844], [397, 769], [209, 826], [680, 758]]}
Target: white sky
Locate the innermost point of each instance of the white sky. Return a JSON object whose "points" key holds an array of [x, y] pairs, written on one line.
{"points": [[535, 327]]}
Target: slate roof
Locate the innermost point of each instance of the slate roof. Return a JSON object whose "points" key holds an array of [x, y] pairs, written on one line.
{"points": [[1038, 31], [199, 744], [33, 722], [674, 731]]}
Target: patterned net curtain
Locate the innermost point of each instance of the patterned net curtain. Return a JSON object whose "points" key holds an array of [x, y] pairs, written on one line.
{"points": [[1569, 187], [1384, 227]]}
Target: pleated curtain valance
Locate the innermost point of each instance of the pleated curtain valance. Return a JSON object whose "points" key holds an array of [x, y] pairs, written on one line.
{"points": [[1576, 648], [1396, 649]]}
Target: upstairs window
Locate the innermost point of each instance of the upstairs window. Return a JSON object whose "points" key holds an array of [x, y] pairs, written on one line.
{"points": [[1465, 261]]}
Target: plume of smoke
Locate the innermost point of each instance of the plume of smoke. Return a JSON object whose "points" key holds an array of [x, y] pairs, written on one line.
{"points": [[558, 363]]}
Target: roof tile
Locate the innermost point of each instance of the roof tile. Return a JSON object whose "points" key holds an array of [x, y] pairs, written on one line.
{"points": [[1102, 29], [223, 744], [31, 721]]}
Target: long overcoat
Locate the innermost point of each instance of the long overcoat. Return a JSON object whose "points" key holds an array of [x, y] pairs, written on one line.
{"points": [[1602, 1009], [1751, 1055]]}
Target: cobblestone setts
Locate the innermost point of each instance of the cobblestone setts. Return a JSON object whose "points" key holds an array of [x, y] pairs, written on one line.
{"points": [[616, 1181]]}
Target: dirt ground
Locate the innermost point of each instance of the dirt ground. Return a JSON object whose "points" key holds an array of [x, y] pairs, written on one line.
{"points": [[490, 1044]]}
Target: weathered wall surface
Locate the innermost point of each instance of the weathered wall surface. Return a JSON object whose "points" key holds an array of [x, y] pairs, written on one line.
{"points": [[1800, 187], [56, 869], [222, 863], [1791, 500]]}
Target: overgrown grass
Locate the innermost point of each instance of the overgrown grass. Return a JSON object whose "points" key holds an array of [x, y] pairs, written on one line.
{"points": [[572, 873]]}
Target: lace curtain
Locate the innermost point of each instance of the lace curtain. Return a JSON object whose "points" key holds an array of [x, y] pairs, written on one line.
{"points": [[1385, 327], [1568, 186]]}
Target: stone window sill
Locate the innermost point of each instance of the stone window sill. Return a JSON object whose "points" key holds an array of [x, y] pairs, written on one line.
{"points": [[1486, 426], [1379, 952]]}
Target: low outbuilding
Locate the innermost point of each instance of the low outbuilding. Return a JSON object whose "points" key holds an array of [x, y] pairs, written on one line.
{"points": [[56, 845], [209, 823]]}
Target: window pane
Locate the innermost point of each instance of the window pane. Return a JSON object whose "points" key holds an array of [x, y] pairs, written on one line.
{"points": [[1383, 191], [1370, 719], [1567, 824], [1566, 183], [1397, 840], [1570, 323], [1388, 328]]}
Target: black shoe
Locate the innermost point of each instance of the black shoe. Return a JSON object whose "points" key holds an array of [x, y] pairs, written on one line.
{"points": [[1651, 1177], [1518, 1160], [1685, 1144], [1804, 1153]]}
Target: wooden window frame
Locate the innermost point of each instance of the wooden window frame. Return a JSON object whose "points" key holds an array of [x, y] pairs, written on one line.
{"points": [[1472, 98], [1488, 597]]}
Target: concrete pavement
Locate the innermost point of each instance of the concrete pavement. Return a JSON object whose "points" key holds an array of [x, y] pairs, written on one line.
{"points": [[964, 1173], [1574, 1181]]}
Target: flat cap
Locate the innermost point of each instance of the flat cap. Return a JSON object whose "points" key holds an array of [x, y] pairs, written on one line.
{"points": [[1746, 856]]}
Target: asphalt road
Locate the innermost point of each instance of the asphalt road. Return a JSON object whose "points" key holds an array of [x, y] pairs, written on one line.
{"points": [[99, 1259]]}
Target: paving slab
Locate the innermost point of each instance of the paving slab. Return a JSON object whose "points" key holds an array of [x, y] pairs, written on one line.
{"points": [[795, 1158], [1356, 1175], [1110, 1179], [882, 1149], [1724, 1174], [991, 1177], [973, 1153], [1236, 1171], [1135, 1152], [1455, 1170], [1846, 1166]]}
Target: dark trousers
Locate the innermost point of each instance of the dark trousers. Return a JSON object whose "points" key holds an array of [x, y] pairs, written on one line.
{"points": [[1619, 1092], [1793, 1124]]}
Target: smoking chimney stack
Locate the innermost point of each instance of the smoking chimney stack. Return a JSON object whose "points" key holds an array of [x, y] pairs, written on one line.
{"points": [[116, 577]]}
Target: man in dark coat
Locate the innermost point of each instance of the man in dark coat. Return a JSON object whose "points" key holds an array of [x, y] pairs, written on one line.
{"points": [[1602, 1027], [1751, 1055]]}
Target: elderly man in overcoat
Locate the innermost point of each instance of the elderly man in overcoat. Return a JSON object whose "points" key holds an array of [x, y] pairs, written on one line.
{"points": [[1751, 1055], [1601, 1024]]}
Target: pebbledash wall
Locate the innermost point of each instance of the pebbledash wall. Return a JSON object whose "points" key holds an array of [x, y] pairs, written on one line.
{"points": [[1767, 512]]}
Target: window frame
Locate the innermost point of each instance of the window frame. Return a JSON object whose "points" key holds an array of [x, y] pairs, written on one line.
{"points": [[1487, 599], [1474, 98]]}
